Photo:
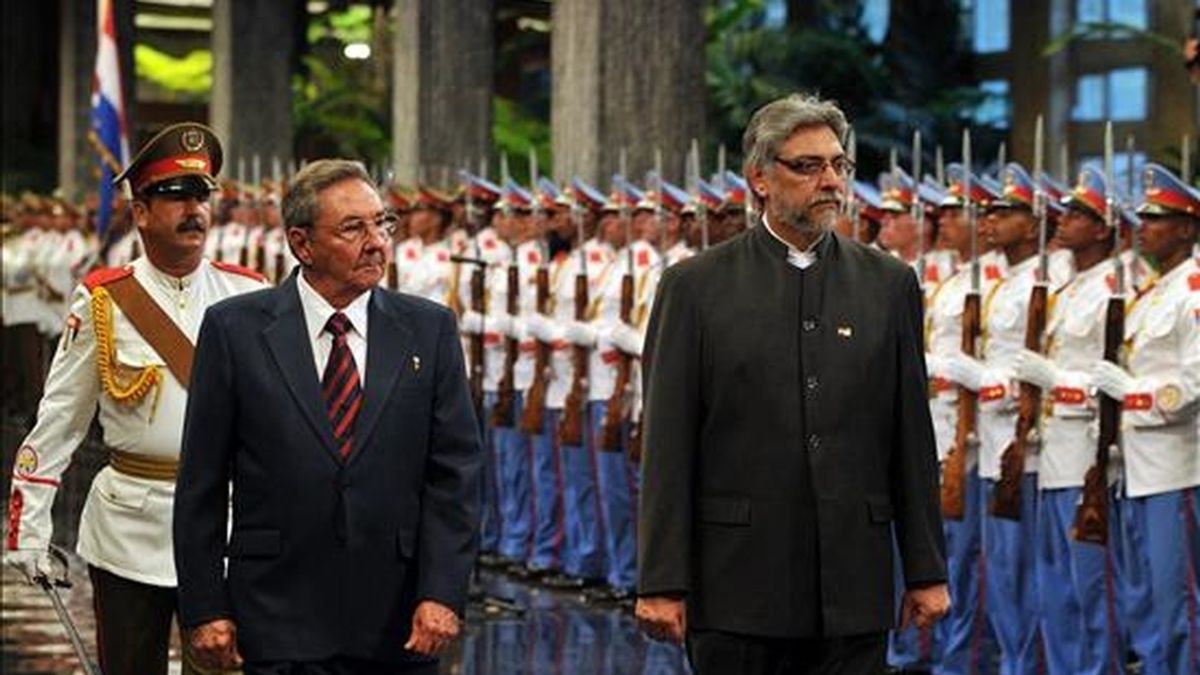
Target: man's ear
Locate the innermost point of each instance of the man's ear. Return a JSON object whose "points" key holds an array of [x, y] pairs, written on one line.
{"points": [[301, 245], [757, 181], [140, 212]]}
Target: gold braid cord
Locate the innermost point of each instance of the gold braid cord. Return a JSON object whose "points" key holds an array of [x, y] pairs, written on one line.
{"points": [[146, 379]]}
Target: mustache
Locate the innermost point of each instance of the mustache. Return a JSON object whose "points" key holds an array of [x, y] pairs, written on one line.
{"points": [[190, 224]]}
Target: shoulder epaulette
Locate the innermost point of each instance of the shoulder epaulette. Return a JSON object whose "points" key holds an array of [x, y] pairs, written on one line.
{"points": [[105, 275], [239, 270]]}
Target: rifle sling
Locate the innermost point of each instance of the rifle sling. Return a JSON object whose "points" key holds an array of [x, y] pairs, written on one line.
{"points": [[155, 327]]}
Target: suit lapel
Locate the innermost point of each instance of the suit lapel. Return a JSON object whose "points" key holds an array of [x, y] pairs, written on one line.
{"points": [[389, 349], [287, 339]]}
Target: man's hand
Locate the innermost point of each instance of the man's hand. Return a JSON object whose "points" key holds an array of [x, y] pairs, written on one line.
{"points": [[662, 618], [434, 626], [922, 607], [214, 644]]}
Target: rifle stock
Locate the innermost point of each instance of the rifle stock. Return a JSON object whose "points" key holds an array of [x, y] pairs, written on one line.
{"points": [[1091, 518], [617, 409], [1006, 500], [475, 340], [570, 432], [533, 417], [954, 471], [502, 412]]}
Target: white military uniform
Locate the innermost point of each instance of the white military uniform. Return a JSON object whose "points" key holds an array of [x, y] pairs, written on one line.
{"points": [[598, 256], [605, 313], [125, 527], [234, 238], [1160, 432], [21, 302], [497, 254]]}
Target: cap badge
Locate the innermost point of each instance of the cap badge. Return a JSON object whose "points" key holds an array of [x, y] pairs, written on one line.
{"points": [[192, 140]]}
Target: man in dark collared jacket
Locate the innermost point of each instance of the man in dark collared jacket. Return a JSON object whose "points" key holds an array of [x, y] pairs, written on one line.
{"points": [[787, 430]]}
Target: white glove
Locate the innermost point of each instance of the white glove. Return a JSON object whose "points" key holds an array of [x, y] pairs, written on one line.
{"points": [[541, 327], [965, 370], [1035, 369], [934, 364], [34, 563], [500, 323], [471, 322], [580, 333], [626, 338], [1111, 379]]}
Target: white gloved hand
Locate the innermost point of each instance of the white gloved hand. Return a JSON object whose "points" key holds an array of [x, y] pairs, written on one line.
{"points": [[512, 326], [934, 364], [965, 370], [1035, 369], [1111, 379], [34, 563], [580, 333], [499, 323], [471, 322], [626, 338]]}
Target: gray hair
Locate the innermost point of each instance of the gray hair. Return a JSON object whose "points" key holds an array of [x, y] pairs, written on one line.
{"points": [[775, 122], [300, 207]]}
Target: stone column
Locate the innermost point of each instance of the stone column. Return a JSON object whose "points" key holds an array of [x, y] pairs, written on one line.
{"points": [[626, 74], [78, 165], [441, 86], [253, 43], [1174, 102]]}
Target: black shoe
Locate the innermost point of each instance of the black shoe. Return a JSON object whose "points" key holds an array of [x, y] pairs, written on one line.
{"points": [[524, 572], [560, 581], [606, 595]]}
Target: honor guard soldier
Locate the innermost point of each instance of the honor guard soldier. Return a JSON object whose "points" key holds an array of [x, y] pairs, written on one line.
{"points": [[959, 632], [1079, 623], [1010, 226], [582, 560], [127, 349], [1159, 386], [426, 268]]}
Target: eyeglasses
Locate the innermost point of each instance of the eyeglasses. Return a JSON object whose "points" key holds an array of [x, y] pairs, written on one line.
{"points": [[811, 166], [355, 230]]}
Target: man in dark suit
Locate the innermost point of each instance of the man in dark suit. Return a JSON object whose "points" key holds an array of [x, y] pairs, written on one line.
{"points": [[787, 429], [340, 414]]}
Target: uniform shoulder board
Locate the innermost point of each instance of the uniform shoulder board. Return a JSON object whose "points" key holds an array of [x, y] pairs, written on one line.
{"points": [[1194, 281], [239, 270], [105, 275]]}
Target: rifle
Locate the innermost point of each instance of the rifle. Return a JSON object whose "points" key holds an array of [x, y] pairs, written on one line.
{"points": [[954, 472], [502, 412], [918, 209], [1006, 500], [475, 340], [533, 418], [618, 401], [1091, 518], [635, 428], [570, 431]]}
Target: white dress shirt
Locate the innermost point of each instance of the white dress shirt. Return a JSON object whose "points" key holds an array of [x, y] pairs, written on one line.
{"points": [[797, 258], [317, 311]]}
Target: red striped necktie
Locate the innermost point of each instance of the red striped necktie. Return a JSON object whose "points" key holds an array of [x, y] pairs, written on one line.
{"points": [[340, 386]]}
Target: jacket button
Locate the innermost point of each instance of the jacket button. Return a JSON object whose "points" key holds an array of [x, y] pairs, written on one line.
{"points": [[814, 442], [811, 383], [809, 324]]}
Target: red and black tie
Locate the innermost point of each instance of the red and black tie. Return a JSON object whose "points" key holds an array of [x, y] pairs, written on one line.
{"points": [[340, 386]]}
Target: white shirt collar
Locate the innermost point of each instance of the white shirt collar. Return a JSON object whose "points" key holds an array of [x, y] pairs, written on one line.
{"points": [[167, 281], [796, 257], [317, 310]]}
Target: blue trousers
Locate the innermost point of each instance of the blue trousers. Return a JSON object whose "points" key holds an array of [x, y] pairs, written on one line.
{"points": [[489, 521], [547, 496], [1159, 550], [583, 548], [963, 635], [516, 499], [1010, 589], [616, 478], [1077, 588]]}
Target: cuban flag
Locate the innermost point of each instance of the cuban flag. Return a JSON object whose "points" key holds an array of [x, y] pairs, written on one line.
{"points": [[107, 133]]}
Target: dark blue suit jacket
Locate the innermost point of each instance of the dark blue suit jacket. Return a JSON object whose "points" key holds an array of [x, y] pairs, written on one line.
{"points": [[326, 557]]}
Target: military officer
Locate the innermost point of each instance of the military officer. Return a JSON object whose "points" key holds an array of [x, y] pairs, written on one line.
{"points": [[126, 349], [1159, 385]]}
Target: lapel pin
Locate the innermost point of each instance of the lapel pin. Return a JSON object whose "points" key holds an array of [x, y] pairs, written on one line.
{"points": [[845, 331], [416, 361]]}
